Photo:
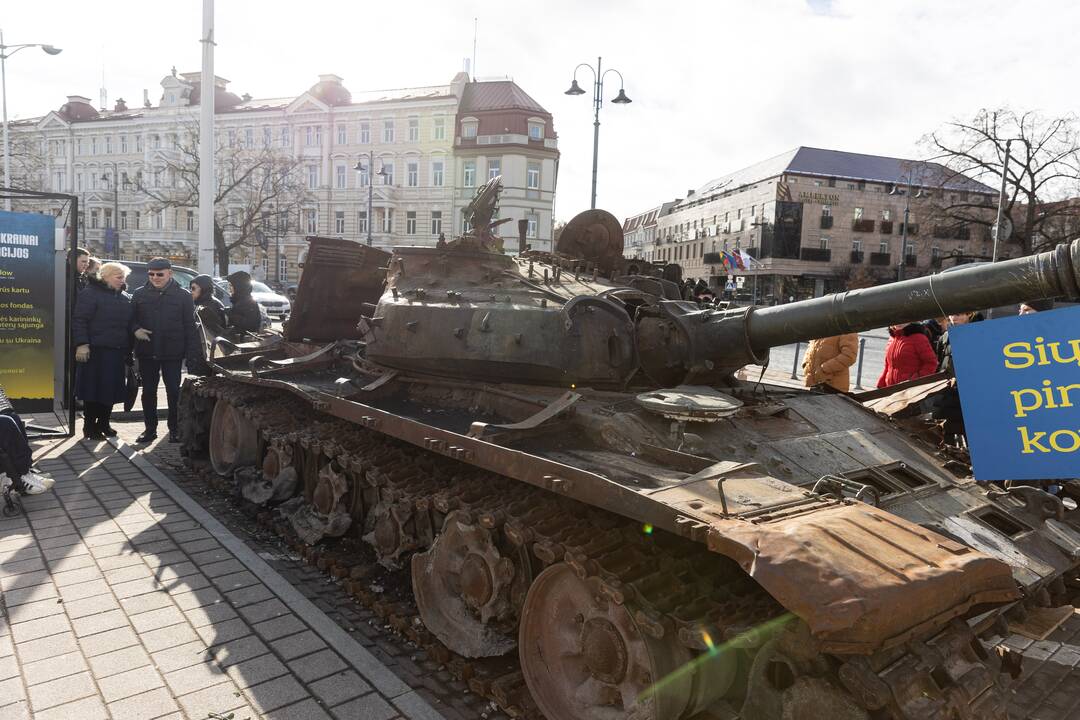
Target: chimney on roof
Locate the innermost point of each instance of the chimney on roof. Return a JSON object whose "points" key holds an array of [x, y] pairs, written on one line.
{"points": [[689, 193], [120, 106], [246, 97], [145, 98]]}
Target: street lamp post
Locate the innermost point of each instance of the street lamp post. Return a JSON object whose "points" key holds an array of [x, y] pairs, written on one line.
{"points": [[371, 187], [116, 202], [904, 227], [7, 51], [598, 101]]}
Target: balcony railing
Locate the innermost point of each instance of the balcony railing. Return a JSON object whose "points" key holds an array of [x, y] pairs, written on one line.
{"points": [[886, 227], [910, 260], [862, 225], [815, 254], [952, 232], [856, 257], [826, 222], [880, 258]]}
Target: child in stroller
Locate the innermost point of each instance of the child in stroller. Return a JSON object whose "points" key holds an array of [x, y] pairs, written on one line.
{"points": [[17, 474]]}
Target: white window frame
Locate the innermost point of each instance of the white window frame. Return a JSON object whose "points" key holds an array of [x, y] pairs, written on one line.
{"points": [[438, 128], [341, 176], [286, 136], [365, 133], [412, 173], [494, 167], [388, 166], [438, 172], [191, 220], [536, 131], [311, 221], [410, 222], [388, 131], [313, 177], [532, 176], [339, 222], [414, 129], [468, 174], [388, 220], [283, 268], [342, 134], [436, 222], [361, 222]]}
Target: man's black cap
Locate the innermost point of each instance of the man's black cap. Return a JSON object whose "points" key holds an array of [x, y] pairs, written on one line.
{"points": [[159, 263]]}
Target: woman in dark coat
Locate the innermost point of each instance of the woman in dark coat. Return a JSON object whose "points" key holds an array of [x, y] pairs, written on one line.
{"points": [[244, 314], [101, 332], [209, 309]]}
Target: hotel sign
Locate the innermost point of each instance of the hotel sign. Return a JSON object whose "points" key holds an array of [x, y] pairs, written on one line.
{"points": [[819, 198]]}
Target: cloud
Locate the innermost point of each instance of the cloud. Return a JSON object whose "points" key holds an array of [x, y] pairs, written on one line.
{"points": [[716, 84]]}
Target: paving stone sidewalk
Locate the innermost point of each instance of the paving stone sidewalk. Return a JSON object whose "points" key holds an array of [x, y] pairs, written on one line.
{"points": [[120, 598]]}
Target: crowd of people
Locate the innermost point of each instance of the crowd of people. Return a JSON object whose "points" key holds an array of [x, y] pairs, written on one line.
{"points": [[915, 350], [153, 330]]}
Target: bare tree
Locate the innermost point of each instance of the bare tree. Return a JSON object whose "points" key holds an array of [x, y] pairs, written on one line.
{"points": [[254, 186], [27, 161], [1043, 172]]}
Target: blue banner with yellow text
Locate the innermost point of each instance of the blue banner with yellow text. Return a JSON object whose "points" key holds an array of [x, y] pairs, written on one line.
{"points": [[1019, 382]]}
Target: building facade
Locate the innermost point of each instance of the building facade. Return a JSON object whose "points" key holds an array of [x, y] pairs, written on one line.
{"points": [[125, 164], [503, 131], [816, 221], [639, 231]]}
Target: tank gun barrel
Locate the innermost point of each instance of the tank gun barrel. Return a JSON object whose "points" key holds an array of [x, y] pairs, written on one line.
{"points": [[1051, 274]]}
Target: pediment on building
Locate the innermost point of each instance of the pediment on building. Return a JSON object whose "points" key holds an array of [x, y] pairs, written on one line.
{"points": [[53, 121], [306, 103]]}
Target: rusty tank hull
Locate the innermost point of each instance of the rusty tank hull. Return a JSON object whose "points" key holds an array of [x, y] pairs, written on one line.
{"points": [[562, 462]]}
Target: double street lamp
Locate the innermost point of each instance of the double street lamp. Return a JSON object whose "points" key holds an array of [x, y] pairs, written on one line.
{"points": [[116, 202], [904, 228], [371, 186], [598, 101], [7, 51]]}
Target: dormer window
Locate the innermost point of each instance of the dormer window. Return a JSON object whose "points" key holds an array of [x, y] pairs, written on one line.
{"points": [[468, 127], [536, 128]]}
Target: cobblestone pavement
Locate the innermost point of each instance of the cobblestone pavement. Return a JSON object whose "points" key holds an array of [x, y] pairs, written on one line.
{"points": [[429, 679], [117, 602]]}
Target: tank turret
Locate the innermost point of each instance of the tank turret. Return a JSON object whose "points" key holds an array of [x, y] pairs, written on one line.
{"points": [[586, 315]]}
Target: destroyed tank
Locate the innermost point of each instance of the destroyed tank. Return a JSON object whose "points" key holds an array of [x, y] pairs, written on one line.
{"points": [[555, 451]]}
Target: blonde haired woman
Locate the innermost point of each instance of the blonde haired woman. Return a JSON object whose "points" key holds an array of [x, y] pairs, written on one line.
{"points": [[101, 331]]}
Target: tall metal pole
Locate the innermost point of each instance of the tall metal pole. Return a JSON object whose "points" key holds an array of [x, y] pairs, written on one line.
{"points": [[116, 209], [903, 233], [598, 98], [207, 95], [1001, 199], [7, 142], [370, 191]]}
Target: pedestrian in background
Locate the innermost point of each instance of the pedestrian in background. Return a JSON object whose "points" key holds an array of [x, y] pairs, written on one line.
{"points": [[908, 355], [946, 406], [101, 333], [16, 457], [82, 262], [1035, 306], [244, 314], [210, 310], [828, 361], [165, 336]]}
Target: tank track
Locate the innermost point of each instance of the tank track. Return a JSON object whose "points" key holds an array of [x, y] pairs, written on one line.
{"points": [[677, 589]]}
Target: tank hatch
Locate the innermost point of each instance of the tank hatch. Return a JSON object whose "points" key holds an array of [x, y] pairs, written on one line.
{"points": [[690, 403]]}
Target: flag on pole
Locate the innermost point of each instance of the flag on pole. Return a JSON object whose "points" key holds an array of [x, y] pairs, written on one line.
{"points": [[724, 258], [747, 259], [737, 255]]}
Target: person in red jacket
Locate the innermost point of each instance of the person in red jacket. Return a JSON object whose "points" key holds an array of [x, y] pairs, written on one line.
{"points": [[908, 356]]}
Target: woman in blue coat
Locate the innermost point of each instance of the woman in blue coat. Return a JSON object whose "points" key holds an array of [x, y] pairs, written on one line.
{"points": [[101, 331]]}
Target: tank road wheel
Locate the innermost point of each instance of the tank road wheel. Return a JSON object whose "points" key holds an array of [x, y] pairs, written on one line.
{"points": [[234, 440], [586, 658], [326, 514], [465, 589], [279, 477], [790, 680]]}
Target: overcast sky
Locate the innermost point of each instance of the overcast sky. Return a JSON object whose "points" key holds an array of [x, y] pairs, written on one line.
{"points": [[716, 85]]}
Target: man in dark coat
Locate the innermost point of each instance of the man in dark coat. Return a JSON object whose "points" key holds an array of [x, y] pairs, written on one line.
{"points": [[165, 336], [82, 263], [244, 314]]}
